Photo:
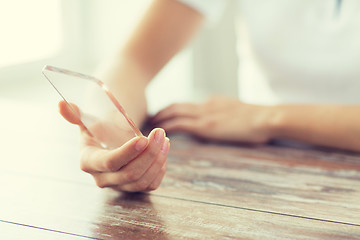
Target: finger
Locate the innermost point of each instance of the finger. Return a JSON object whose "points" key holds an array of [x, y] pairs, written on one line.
{"points": [[152, 173], [95, 159], [181, 124], [153, 186], [70, 112], [156, 183], [176, 110], [134, 170]]}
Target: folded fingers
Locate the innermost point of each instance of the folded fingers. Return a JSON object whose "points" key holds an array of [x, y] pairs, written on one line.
{"points": [[176, 110], [153, 176], [135, 169], [95, 159]]}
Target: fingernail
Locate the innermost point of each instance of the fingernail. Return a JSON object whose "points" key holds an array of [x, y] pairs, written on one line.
{"points": [[141, 144], [165, 146], [159, 135]]}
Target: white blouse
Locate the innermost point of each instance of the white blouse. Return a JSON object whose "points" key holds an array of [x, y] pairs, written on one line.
{"points": [[295, 51]]}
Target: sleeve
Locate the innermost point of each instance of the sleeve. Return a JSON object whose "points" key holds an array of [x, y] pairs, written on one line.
{"points": [[211, 9]]}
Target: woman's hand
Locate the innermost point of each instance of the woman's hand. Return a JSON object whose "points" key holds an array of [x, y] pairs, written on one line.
{"points": [[220, 118], [137, 165]]}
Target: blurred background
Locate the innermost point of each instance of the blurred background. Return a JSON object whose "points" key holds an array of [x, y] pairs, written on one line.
{"points": [[81, 34]]}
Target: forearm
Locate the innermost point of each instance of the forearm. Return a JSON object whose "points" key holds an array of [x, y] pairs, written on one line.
{"points": [[165, 29], [127, 82], [325, 125]]}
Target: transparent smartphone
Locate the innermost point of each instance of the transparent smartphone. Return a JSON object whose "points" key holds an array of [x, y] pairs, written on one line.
{"points": [[96, 107]]}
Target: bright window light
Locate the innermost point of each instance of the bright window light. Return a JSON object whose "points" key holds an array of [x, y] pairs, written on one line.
{"points": [[30, 30]]}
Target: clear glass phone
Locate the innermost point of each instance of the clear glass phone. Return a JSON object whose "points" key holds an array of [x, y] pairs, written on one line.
{"points": [[99, 111]]}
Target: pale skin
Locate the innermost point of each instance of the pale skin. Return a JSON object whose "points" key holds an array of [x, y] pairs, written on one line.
{"points": [[165, 29], [150, 47], [227, 119]]}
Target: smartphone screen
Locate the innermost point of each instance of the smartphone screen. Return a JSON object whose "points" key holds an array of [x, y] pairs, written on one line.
{"points": [[94, 105]]}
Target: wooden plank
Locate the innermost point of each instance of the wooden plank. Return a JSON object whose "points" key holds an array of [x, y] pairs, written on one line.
{"points": [[85, 210], [13, 231], [310, 183]]}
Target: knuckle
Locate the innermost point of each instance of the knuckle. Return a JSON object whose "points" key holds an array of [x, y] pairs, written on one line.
{"points": [[132, 176], [141, 185], [109, 165], [153, 187], [99, 183], [84, 167]]}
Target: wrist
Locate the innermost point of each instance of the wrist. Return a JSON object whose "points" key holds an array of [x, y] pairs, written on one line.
{"points": [[128, 83], [272, 121]]}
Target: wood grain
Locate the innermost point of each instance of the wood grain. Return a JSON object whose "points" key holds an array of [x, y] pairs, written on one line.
{"points": [[309, 183], [88, 211], [14, 231], [211, 191]]}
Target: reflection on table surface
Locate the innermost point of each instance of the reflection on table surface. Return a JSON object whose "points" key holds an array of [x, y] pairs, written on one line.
{"points": [[211, 190]]}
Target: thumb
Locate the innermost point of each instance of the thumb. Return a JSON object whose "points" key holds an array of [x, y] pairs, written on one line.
{"points": [[71, 113]]}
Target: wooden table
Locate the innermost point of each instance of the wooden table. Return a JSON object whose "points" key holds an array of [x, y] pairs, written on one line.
{"points": [[211, 191]]}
